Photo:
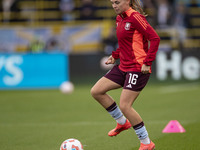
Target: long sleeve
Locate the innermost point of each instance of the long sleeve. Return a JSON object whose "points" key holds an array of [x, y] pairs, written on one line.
{"points": [[115, 54], [145, 28]]}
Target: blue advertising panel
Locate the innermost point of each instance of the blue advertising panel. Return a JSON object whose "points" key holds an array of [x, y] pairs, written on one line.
{"points": [[33, 70]]}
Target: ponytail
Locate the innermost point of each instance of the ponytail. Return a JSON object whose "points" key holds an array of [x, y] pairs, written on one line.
{"points": [[136, 5]]}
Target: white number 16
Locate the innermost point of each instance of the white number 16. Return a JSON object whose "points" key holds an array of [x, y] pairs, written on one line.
{"points": [[132, 78]]}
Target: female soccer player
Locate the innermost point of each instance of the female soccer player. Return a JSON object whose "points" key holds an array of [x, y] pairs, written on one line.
{"points": [[136, 57]]}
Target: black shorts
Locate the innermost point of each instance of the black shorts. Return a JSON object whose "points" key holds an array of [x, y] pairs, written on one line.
{"points": [[134, 81]]}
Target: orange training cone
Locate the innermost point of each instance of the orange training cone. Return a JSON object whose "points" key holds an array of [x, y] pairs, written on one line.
{"points": [[173, 127]]}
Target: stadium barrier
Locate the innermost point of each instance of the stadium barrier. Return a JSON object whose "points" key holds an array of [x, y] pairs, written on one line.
{"points": [[43, 70]]}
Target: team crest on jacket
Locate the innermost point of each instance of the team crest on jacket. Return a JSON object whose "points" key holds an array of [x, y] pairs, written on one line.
{"points": [[127, 26]]}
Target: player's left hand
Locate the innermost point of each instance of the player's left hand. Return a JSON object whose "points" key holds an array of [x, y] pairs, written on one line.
{"points": [[145, 69]]}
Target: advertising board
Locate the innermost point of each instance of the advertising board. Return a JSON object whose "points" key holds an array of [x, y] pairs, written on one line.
{"points": [[33, 70]]}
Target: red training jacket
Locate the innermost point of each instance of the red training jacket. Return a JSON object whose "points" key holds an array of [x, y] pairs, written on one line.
{"points": [[133, 33]]}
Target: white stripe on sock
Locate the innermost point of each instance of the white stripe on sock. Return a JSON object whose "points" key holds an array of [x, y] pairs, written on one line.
{"points": [[121, 120]]}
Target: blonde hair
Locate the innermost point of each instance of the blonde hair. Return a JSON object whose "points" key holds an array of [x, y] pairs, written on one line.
{"points": [[136, 5]]}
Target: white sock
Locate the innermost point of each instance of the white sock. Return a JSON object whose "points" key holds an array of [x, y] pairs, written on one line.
{"points": [[116, 113], [121, 120], [142, 133], [146, 140]]}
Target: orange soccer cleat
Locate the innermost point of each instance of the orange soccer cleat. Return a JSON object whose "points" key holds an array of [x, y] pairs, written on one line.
{"points": [[150, 146], [119, 128]]}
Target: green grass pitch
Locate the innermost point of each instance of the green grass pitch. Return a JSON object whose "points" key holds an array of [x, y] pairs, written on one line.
{"points": [[43, 119]]}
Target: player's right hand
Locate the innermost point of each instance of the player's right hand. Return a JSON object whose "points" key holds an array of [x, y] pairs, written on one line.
{"points": [[110, 60]]}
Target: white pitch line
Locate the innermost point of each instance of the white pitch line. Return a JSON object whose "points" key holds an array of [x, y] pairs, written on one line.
{"points": [[179, 88]]}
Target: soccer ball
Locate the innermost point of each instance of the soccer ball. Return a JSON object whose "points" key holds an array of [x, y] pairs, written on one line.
{"points": [[71, 144], [66, 87]]}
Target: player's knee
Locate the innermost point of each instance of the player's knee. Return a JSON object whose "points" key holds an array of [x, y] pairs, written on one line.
{"points": [[94, 92]]}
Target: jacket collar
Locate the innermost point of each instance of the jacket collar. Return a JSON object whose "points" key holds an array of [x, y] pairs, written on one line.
{"points": [[127, 13]]}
